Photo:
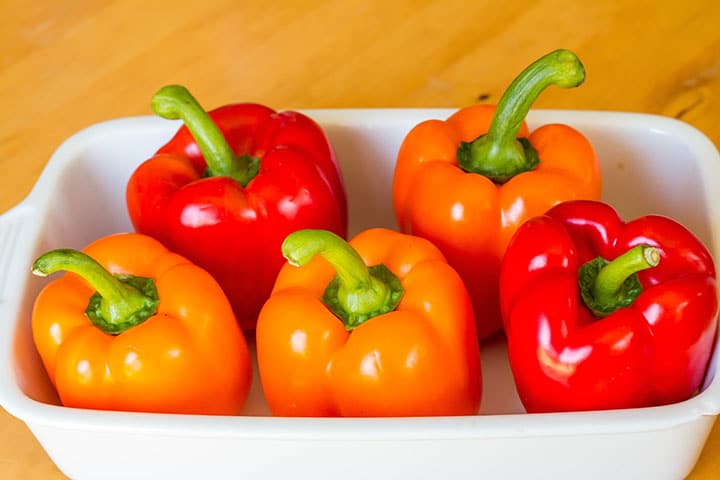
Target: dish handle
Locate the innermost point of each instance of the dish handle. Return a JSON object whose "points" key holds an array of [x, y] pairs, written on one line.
{"points": [[16, 229]]}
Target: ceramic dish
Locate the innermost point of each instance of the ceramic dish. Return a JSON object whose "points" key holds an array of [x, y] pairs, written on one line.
{"points": [[650, 165]]}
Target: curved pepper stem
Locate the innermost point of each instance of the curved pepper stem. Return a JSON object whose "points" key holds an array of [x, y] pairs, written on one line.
{"points": [[499, 154], [119, 303], [607, 286], [357, 293], [175, 102]]}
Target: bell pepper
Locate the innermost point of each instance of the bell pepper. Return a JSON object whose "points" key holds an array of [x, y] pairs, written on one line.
{"points": [[380, 326], [604, 314], [136, 327], [469, 182], [231, 185]]}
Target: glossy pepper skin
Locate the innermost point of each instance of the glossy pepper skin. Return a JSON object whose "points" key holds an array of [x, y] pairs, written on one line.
{"points": [[407, 348], [652, 350], [226, 190], [175, 345], [469, 182]]}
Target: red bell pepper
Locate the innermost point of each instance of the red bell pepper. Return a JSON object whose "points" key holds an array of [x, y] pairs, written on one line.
{"points": [[228, 188], [603, 314]]}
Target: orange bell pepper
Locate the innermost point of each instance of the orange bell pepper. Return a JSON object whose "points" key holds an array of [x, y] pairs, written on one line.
{"points": [[158, 335], [393, 339], [469, 182]]}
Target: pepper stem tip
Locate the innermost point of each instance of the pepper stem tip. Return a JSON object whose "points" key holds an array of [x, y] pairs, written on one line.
{"points": [[652, 256]]}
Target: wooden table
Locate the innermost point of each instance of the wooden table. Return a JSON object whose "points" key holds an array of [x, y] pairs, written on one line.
{"points": [[66, 65]]}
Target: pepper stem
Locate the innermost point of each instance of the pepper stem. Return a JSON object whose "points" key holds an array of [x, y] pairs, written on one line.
{"points": [[119, 303], [607, 286], [499, 154], [175, 102], [357, 293]]}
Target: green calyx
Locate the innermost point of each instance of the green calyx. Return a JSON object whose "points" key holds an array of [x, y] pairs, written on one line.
{"points": [[608, 286], [119, 303], [499, 154], [354, 307], [357, 293], [175, 102]]}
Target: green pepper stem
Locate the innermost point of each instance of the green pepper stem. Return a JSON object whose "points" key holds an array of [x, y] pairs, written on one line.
{"points": [[357, 293], [175, 102], [301, 246], [612, 276], [499, 154], [120, 302], [607, 286]]}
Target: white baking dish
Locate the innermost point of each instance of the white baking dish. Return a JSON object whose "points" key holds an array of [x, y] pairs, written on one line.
{"points": [[650, 164]]}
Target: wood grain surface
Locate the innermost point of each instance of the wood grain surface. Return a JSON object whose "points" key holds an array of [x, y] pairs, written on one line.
{"points": [[65, 65]]}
